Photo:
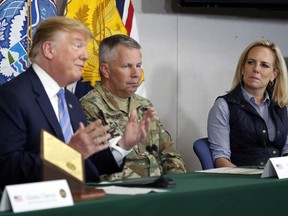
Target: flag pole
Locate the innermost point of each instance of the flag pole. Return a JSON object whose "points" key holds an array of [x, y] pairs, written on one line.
{"points": [[29, 25]]}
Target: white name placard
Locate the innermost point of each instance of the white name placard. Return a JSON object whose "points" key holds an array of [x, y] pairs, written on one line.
{"points": [[277, 166], [36, 196]]}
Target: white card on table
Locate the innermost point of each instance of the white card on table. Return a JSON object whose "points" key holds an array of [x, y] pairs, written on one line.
{"points": [[277, 166], [36, 196]]}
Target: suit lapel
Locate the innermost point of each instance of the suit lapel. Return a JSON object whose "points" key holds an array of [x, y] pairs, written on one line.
{"points": [[45, 104], [74, 113], [74, 123]]}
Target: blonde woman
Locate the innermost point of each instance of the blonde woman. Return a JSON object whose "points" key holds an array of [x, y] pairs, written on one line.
{"points": [[249, 124]]}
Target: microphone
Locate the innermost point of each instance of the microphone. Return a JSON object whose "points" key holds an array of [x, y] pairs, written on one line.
{"points": [[162, 181]]}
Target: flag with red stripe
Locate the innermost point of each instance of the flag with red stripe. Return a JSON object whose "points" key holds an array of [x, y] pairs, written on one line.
{"points": [[126, 11]]}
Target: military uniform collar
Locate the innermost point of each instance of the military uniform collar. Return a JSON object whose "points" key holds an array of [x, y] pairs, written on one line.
{"points": [[114, 102]]}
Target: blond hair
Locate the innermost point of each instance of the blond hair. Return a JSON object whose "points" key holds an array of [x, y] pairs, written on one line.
{"points": [[278, 91], [49, 28]]}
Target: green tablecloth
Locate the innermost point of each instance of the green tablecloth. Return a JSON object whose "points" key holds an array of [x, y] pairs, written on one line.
{"points": [[194, 194]]}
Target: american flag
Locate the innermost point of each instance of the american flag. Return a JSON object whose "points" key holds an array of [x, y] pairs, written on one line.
{"points": [[18, 198], [126, 11]]}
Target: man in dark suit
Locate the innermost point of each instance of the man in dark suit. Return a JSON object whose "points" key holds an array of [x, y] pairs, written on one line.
{"points": [[28, 103]]}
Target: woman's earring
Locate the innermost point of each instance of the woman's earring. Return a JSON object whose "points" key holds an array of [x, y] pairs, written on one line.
{"points": [[271, 82]]}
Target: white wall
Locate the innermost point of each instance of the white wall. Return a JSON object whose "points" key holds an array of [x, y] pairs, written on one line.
{"points": [[189, 58]]}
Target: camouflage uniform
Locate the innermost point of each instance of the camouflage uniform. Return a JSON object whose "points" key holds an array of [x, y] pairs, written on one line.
{"points": [[100, 103]]}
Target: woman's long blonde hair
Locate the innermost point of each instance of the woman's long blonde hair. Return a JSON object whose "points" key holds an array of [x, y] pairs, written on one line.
{"points": [[278, 91]]}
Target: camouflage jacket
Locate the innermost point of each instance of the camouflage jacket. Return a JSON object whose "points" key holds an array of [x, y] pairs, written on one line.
{"points": [[99, 103]]}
